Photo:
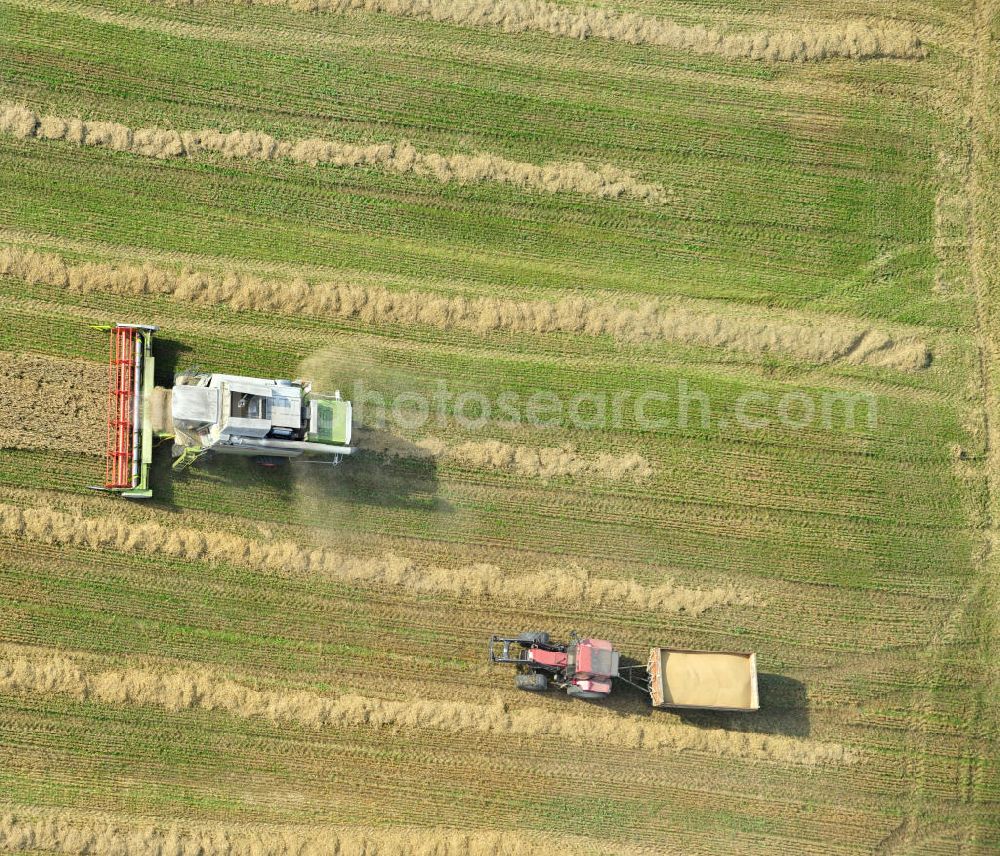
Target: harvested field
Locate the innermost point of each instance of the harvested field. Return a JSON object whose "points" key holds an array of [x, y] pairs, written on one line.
{"points": [[27, 829], [191, 690], [672, 324], [51, 403], [476, 581], [646, 322], [606, 182], [854, 40]]}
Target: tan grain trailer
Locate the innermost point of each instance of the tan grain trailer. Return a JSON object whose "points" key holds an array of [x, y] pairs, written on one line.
{"points": [[702, 679]]}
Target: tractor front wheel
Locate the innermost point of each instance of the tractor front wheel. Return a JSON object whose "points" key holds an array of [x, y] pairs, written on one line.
{"points": [[534, 639], [587, 695]]}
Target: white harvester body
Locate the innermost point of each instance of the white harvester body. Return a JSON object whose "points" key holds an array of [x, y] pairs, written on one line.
{"points": [[258, 417]]}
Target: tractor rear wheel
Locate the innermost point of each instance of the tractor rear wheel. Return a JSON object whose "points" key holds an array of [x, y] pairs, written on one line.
{"points": [[534, 638], [533, 683]]}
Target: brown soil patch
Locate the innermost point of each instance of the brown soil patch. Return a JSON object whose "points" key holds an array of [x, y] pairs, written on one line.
{"points": [[50, 403]]}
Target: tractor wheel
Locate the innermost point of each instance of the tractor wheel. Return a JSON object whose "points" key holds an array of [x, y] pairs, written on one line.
{"points": [[574, 692], [534, 639], [533, 683]]}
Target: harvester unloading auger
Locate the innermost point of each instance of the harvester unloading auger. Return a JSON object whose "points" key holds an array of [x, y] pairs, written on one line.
{"points": [[271, 420]]}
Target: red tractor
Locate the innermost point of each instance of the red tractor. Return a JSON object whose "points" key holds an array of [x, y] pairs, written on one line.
{"points": [[583, 667]]}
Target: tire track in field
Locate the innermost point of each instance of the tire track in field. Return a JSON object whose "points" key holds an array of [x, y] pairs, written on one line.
{"points": [[604, 182], [51, 403], [81, 833], [199, 689], [821, 341], [978, 606], [850, 39], [560, 586]]}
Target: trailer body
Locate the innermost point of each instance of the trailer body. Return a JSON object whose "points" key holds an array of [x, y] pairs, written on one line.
{"points": [[706, 680]]}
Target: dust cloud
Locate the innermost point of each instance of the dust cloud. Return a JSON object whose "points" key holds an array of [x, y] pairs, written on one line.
{"points": [[605, 181], [201, 690], [822, 342], [565, 587]]}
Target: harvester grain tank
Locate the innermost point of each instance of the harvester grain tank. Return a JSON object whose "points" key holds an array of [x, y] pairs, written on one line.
{"points": [[268, 419], [672, 677]]}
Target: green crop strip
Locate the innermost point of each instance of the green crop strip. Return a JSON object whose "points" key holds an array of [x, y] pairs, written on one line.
{"points": [[839, 189]]}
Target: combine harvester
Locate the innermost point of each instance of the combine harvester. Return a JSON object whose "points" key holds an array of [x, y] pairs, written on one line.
{"points": [[270, 420], [586, 668]]}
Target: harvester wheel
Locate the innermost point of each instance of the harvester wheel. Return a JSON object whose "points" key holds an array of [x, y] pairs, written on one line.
{"points": [[270, 461], [536, 682], [534, 639]]}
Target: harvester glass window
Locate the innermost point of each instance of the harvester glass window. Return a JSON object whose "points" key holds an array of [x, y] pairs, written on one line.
{"points": [[324, 419], [243, 405]]}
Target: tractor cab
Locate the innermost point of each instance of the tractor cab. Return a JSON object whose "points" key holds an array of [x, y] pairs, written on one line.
{"points": [[591, 664]]}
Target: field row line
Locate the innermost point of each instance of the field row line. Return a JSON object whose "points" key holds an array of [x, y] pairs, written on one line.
{"points": [[197, 688], [544, 462], [850, 39], [515, 58], [900, 613], [80, 833], [564, 586], [155, 594], [813, 340], [604, 182]]}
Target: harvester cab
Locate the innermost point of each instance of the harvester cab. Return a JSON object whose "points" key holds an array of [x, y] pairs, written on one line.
{"points": [[270, 420], [584, 667]]}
